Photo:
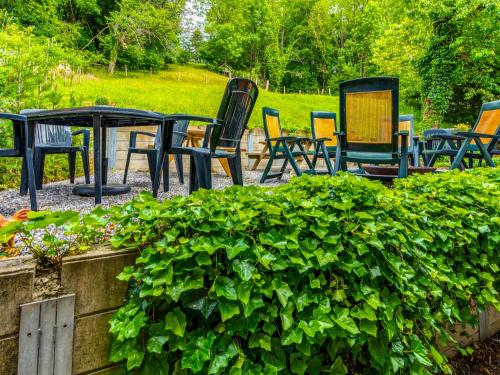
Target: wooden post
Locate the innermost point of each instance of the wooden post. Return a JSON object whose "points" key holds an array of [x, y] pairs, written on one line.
{"points": [[151, 70], [329, 91], [300, 92], [126, 70], [284, 90], [267, 85]]}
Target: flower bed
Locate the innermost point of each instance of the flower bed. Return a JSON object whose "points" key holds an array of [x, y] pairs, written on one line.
{"points": [[322, 274]]}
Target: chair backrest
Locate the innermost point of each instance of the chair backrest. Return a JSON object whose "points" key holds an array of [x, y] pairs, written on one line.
{"points": [[272, 126], [433, 144], [234, 112], [51, 135], [369, 114], [324, 125], [488, 122], [18, 123], [179, 134], [407, 122]]}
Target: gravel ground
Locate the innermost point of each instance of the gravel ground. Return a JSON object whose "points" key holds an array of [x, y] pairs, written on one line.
{"points": [[57, 196]]}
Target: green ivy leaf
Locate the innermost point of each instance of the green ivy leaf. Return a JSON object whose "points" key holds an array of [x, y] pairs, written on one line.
{"points": [[155, 344], [225, 287], [282, 291], [176, 322], [228, 310]]}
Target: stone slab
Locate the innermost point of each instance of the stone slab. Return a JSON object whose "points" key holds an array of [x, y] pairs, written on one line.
{"points": [[92, 277], [91, 343], [16, 288], [8, 355]]}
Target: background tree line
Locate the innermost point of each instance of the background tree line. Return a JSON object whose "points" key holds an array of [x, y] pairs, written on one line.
{"points": [[445, 52]]}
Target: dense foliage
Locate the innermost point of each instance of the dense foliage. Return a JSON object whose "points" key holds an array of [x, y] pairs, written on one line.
{"points": [[319, 275], [445, 52]]}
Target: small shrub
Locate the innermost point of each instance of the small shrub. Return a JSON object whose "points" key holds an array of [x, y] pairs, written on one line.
{"points": [[322, 275], [102, 101]]}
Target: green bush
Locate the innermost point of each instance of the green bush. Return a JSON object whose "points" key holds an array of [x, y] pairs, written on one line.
{"points": [[322, 275]]}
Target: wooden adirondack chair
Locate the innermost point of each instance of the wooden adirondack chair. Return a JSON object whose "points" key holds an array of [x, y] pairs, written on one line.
{"points": [[369, 124], [282, 147]]}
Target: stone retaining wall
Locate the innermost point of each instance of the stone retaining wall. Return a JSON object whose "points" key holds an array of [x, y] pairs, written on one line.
{"points": [[98, 294]]}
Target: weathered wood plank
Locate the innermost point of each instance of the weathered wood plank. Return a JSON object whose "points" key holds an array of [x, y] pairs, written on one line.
{"points": [[29, 339], [484, 325], [46, 349], [64, 335]]}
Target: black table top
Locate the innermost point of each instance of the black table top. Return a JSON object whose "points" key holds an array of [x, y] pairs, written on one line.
{"points": [[110, 117]]}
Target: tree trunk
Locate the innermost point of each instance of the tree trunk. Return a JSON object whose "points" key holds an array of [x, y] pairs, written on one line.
{"points": [[113, 57]]}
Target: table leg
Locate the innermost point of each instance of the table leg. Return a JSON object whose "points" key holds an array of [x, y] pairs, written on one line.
{"points": [[260, 157], [96, 124], [104, 155], [225, 165]]}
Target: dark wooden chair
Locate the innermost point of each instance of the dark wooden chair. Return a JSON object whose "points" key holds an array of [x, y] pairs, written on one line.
{"points": [[222, 137], [20, 149], [152, 153], [58, 139], [369, 125]]}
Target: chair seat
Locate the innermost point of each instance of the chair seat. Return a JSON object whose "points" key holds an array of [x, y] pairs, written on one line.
{"points": [[137, 150], [202, 150], [59, 149], [370, 157]]}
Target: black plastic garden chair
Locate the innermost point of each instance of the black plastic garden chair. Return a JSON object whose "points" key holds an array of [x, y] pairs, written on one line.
{"points": [[152, 153], [222, 137], [20, 149], [58, 139], [479, 143], [369, 125], [430, 144], [282, 147]]}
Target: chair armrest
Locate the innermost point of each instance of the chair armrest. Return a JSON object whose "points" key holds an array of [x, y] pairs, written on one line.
{"points": [[481, 135], [325, 139], [402, 133], [12, 116], [445, 136], [86, 136], [303, 139], [133, 137], [286, 139]]}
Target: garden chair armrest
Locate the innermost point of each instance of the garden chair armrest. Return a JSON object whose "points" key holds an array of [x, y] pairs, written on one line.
{"points": [[445, 136], [12, 116], [303, 139], [286, 139], [133, 137], [481, 135], [86, 136], [402, 133], [324, 139]]}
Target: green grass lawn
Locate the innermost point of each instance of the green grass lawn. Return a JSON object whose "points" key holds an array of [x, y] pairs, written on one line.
{"points": [[191, 89]]}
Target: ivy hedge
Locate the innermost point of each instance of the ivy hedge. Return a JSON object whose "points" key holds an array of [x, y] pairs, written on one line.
{"points": [[322, 275]]}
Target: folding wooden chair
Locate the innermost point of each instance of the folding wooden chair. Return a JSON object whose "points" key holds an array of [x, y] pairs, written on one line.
{"points": [[323, 129], [282, 147]]}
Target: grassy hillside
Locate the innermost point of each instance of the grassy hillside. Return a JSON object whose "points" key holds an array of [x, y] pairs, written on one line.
{"points": [[191, 89]]}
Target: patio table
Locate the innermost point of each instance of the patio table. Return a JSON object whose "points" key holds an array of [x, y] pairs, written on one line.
{"points": [[100, 118]]}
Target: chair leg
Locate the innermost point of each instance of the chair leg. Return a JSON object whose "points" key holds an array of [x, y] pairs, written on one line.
{"points": [[193, 184], [328, 162], [151, 166], [166, 174], [269, 163], [86, 169], [179, 167], [23, 190], [236, 172], [127, 164], [291, 159], [30, 175], [203, 168], [40, 170], [72, 165]]}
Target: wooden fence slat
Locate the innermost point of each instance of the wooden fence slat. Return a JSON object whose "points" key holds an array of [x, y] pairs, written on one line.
{"points": [[46, 350], [29, 339], [64, 335]]}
